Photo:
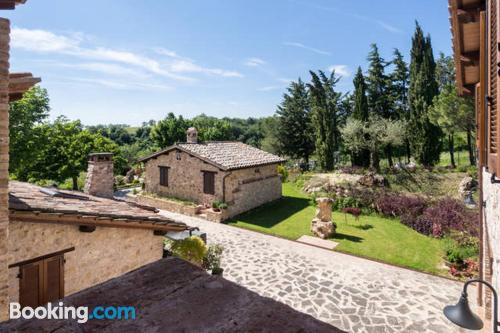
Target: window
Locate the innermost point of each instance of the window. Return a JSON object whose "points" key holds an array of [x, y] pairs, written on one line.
{"points": [[492, 131], [41, 281], [164, 175], [208, 182]]}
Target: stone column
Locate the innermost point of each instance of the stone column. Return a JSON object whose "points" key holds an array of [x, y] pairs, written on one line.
{"points": [[4, 165]]}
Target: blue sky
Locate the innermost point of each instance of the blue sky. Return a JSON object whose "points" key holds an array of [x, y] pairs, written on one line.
{"points": [[128, 61]]}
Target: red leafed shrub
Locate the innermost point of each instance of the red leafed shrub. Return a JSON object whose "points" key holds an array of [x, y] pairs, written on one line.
{"points": [[356, 212], [450, 215], [400, 205]]}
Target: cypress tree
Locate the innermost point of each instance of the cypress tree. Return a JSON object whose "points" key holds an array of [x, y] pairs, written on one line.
{"points": [[325, 108], [379, 99], [425, 137], [399, 93], [360, 112], [294, 130], [377, 84]]}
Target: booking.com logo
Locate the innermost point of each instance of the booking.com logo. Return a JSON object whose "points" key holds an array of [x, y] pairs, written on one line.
{"points": [[81, 314]]}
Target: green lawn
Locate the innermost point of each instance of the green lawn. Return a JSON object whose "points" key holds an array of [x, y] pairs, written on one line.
{"points": [[373, 236]]}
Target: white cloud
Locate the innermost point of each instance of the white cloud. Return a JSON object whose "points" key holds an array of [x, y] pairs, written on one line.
{"points": [[48, 42], [342, 70], [186, 66], [305, 47], [269, 88], [105, 68], [42, 41], [254, 62], [119, 85]]}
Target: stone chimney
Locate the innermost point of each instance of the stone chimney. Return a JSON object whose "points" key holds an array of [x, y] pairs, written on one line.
{"points": [[4, 167], [192, 135], [100, 178]]}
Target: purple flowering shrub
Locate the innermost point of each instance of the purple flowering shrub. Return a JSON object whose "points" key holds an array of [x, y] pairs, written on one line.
{"points": [[437, 220], [396, 205]]}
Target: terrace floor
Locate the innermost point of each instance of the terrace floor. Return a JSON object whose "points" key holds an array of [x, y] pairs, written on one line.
{"points": [[353, 294]]}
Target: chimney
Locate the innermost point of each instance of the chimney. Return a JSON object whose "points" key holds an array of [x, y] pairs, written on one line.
{"points": [[192, 135], [4, 167], [100, 179]]}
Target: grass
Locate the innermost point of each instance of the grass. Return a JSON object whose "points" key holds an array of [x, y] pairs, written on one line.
{"points": [[373, 236]]}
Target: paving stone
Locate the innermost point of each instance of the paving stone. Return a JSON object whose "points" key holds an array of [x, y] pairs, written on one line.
{"points": [[353, 294]]}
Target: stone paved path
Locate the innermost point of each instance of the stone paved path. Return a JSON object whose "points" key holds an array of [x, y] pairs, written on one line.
{"points": [[353, 294]]}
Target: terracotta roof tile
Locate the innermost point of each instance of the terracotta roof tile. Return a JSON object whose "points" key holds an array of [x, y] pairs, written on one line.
{"points": [[227, 155]]}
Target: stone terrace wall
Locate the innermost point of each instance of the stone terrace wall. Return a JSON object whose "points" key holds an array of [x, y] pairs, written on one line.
{"points": [[252, 187], [98, 256], [4, 164], [491, 195], [185, 179]]}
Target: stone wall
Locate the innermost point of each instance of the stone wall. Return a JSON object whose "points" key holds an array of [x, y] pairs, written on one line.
{"points": [[252, 187], [491, 196], [185, 177], [4, 164], [98, 256], [241, 189]]}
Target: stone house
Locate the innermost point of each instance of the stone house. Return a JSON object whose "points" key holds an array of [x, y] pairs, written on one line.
{"points": [[242, 176], [476, 32]]}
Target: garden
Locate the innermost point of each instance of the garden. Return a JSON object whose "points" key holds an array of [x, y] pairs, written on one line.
{"points": [[429, 233]]}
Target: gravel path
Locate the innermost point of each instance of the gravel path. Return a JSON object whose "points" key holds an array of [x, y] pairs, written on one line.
{"points": [[351, 293]]}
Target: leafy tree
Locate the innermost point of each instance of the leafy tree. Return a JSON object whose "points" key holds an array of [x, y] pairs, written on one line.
{"points": [[399, 93], [24, 115], [360, 112], [211, 128], [170, 130], [294, 119], [270, 130], [374, 135], [445, 71], [425, 137], [325, 110], [65, 146], [452, 113]]}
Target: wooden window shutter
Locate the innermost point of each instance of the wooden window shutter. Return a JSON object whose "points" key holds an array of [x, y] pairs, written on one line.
{"points": [[31, 284], [41, 281], [208, 182], [53, 279], [163, 176], [480, 93], [492, 137]]}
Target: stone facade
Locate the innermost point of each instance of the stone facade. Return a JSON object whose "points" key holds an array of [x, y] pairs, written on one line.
{"points": [[4, 164], [491, 216], [241, 189], [98, 256], [100, 179]]}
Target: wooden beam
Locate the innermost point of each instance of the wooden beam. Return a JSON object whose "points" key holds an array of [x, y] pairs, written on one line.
{"points": [[78, 220], [19, 83]]}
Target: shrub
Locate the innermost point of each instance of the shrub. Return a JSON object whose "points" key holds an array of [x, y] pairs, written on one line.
{"points": [[283, 172], [456, 253], [219, 204], [212, 259], [395, 205], [191, 249], [449, 215]]}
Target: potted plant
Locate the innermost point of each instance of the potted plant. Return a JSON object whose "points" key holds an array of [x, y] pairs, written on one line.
{"points": [[212, 259], [218, 205], [191, 249]]}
